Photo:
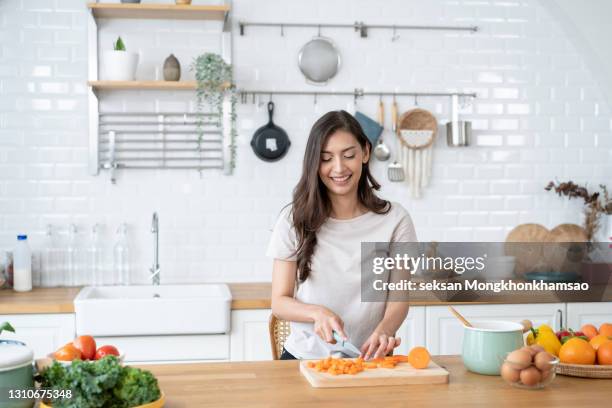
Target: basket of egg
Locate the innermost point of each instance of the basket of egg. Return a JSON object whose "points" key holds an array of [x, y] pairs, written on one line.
{"points": [[529, 367]]}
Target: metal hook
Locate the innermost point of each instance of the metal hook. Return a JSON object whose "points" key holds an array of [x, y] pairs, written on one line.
{"points": [[416, 102], [380, 97], [184, 118], [315, 98], [270, 97], [282, 27], [393, 97], [319, 30], [394, 36]]}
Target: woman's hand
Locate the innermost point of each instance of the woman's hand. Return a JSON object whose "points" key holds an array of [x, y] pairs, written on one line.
{"points": [[378, 345], [326, 322]]}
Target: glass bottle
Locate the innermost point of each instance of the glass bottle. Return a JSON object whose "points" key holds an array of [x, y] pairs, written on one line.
{"points": [[49, 262], [121, 258], [96, 275], [72, 256]]}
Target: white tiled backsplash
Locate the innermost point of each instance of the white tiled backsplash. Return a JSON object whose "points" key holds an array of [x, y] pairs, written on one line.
{"points": [[538, 116]]}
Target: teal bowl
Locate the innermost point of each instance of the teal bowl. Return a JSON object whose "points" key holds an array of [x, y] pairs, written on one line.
{"points": [[486, 344]]}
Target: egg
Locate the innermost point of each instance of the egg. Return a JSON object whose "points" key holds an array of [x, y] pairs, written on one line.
{"points": [[510, 374], [530, 376], [519, 359], [542, 360], [529, 350], [537, 348]]}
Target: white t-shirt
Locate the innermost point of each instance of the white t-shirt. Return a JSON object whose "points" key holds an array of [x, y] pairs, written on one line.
{"points": [[335, 277]]}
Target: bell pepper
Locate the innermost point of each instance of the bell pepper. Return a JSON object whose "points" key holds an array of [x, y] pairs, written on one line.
{"points": [[544, 336]]}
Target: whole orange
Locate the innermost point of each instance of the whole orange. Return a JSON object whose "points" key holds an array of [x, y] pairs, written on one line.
{"points": [[577, 351], [606, 329], [599, 340], [604, 354], [589, 330]]}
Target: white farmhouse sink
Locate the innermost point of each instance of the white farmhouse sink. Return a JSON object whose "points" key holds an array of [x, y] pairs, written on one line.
{"points": [[153, 310]]}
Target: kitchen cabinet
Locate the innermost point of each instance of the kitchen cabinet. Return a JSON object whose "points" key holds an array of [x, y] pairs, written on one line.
{"points": [[250, 336], [43, 333], [412, 331], [595, 313], [444, 333]]}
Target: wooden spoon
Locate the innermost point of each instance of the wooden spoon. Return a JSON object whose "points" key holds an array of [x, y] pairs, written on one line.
{"points": [[458, 316]]}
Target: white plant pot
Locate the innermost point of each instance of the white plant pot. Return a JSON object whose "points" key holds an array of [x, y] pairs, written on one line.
{"points": [[120, 65]]}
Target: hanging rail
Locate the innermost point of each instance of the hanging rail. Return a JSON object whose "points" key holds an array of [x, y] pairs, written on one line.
{"points": [[356, 93], [358, 26]]}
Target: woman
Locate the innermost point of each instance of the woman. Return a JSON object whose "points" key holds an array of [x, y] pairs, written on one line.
{"points": [[316, 246]]}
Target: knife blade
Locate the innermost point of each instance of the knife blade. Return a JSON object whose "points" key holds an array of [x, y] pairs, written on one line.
{"points": [[351, 350]]}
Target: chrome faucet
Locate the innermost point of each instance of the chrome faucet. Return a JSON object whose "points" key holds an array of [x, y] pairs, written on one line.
{"points": [[155, 268]]}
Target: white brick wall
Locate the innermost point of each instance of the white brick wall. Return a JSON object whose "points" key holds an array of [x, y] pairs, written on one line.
{"points": [[539, 116]]}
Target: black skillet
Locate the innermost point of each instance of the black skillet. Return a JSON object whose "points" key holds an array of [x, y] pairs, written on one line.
{"points": [[270, 142]]}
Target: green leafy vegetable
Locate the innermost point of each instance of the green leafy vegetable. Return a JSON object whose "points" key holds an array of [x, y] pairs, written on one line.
{"points": [[6, 326], [100, 384], [119, 45]]}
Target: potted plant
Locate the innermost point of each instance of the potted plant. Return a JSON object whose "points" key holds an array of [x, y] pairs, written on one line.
{"points": [[15, 367], [214, 84], [597, 208], [119, 64]]}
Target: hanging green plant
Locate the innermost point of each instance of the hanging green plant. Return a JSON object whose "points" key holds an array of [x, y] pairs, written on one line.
{"points": [[214, 83]]}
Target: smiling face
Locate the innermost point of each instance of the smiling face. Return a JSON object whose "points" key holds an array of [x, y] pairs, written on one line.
{"points": [[341, 165]]}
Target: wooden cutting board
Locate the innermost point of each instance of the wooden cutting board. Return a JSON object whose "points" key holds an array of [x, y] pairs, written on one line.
{"points": [[402, 374]]}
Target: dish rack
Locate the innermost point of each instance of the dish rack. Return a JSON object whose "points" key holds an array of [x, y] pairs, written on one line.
{"points": [[161, 140]]}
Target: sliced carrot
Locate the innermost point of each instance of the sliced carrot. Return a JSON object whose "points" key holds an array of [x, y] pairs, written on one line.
{"points": [[419, 357], [400, 358]]}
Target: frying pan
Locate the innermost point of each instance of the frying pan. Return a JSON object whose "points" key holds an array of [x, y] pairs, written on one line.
{"points": [[270, 142]]}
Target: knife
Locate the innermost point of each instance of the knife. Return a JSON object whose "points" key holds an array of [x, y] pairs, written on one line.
{"points": [[349, 349]]}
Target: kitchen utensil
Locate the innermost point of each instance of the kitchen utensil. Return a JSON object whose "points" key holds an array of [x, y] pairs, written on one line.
{"points": [[552, 276], [395, 170], [458, 132], [270, 142], [487, 342], [525, 243], [16, 370], [381, 151], [370, 127], [319, 60], [459, 316], [402, 374], [349, 349], [417, 130]]}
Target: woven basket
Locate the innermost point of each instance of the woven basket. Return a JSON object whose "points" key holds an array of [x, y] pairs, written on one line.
{"points": [[585, 371]]}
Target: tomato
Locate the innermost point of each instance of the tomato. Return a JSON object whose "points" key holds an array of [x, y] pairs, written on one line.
{"points": [[87, 345], [106, 351], [67, 353]]}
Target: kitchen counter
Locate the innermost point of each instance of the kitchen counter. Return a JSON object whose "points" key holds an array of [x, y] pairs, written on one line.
{"points": [[60, 300], [279, 384], [256, 295]]}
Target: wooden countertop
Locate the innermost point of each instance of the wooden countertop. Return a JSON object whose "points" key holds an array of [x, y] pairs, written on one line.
{"points": [[279, 384], [60, 300], [256, 295]]}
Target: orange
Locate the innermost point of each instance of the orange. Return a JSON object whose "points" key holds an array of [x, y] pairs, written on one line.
{"points": [[419, 357], [604, 354], [606, 329], [589, 330], [599, 340], [577, 351]]}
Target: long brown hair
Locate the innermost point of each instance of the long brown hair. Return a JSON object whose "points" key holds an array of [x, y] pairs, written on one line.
{"points": [[311, 203]]}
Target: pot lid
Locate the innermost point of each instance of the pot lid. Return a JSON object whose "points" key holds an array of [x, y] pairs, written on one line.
{"points": [[14, 354]]}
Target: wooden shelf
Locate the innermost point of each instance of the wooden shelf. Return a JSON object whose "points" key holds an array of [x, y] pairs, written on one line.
{"points": [[146, 85], [158, 11]]}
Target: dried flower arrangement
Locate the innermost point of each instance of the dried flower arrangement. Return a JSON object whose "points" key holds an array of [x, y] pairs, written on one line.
{"points": [[596, 203]]}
